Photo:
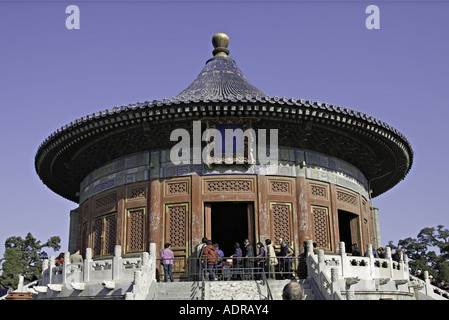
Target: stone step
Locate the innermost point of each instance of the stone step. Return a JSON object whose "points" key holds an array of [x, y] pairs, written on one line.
{"points": [[178, 290], [191, 290]]}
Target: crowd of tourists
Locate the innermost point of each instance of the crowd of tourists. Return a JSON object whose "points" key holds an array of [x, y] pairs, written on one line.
{"points": [[260, 262], [246, 261], [442, 284]]}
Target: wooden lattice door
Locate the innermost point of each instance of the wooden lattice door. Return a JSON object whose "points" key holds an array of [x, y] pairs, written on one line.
{"points": [[281, 221], [104, 235], [135, 230], [176, 231]]}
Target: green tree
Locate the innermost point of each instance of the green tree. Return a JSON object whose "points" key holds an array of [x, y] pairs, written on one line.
{"points": [[429, 251], [24, 257]]}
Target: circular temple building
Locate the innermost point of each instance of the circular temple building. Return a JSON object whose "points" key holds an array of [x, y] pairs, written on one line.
{"points": [[158, 171]]}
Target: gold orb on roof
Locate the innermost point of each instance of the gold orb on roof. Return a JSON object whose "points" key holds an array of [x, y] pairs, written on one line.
{"points": [[220, 42]]}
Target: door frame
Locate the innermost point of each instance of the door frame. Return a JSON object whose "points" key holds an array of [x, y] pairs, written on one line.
{"points": [[208, 218]]}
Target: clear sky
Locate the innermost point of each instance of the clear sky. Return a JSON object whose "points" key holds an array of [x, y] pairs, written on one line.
{"points": [[132, 51]]}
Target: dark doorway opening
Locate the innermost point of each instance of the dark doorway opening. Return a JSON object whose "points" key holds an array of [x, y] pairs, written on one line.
{"points": [[230, 224], [347, 226]]}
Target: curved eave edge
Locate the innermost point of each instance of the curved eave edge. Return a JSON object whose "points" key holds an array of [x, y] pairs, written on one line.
{"points": [[316, 105], [274, 104], [81, 128]]}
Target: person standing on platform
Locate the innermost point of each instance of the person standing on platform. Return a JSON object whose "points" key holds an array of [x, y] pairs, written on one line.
{"points": [[76, 257], [272, 260], [287, 259], [167, 259], [60, 259], [210, 258], [355, 250], [237, 264], [201, 262], [248, 256], [261, 259], [219, 265]]}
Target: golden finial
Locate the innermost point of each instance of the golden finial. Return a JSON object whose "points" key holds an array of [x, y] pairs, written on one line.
{"points": [[220, 42]]}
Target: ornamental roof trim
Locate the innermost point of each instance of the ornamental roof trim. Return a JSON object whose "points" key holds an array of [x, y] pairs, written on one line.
{"points": [[185, 102]]}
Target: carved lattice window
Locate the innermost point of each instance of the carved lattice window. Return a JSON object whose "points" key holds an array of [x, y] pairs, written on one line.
{"points": [[176, 217], [96, 237], [176, 188], [136, 227], [280, 186], [318, 191], [322, 227], [229, 186], [84, 237], [86, 209], [104, 235], [137, 193], [107, 200], [84, 241], [346, 198], [110, 232], [281, 217]]}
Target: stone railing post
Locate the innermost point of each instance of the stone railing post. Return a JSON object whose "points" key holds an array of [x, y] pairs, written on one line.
{"points": [[138, 285], [309, 247], [116, 262], [369, 253], [321, 256], [427, 283], [145, 259], [405, 268], [147, 274], [147, 267], [44, 268], [334, 278], [390, 260], [145, 262], [45, 265], [152, 261], [344, 259], [321, 264], [64, 266], [387, 253], [52, 265], [20, 285], [86, 265], [369, 249]]}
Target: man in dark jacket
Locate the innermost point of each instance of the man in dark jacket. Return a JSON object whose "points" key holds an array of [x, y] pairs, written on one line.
{"points": [[248, 254]]}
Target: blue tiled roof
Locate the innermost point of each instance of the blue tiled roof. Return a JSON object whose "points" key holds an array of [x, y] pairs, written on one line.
{"points": [[220, 79]]}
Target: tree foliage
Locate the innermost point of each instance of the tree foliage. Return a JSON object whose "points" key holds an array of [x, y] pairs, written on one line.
{"points": [[429, 251], [24, 257]]}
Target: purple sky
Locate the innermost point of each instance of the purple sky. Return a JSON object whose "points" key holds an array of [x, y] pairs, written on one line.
{"points": [[145, 50]]}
